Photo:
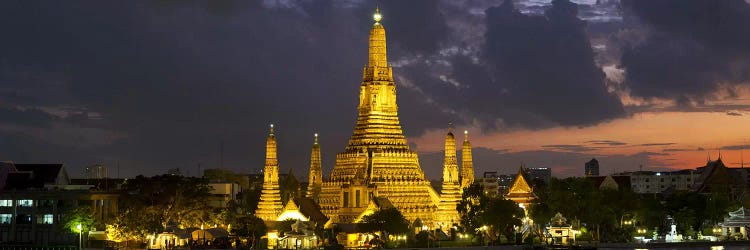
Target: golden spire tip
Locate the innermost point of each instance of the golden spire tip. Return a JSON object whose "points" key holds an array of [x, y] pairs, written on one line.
{"points": [[377, 17]]}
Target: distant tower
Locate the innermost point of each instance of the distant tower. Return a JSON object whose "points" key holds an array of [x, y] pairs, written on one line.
{"points": [[450, 195], [592, 168], [269, 206], [467, 165], [316, 172]]}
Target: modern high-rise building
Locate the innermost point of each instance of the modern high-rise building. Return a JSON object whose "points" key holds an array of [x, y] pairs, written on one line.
{"points": [[543, 174], [591, 168]]}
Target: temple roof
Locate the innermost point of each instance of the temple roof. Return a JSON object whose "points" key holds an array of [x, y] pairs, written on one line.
{"points": [[520, 185], [740, 217]]}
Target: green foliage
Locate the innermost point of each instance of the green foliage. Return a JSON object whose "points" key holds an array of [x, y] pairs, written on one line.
{"points": [[604, 210], [81, 215], [134, 224], [250, 227], [247, 202], [153, 204], [477, 210], [389, 221]]}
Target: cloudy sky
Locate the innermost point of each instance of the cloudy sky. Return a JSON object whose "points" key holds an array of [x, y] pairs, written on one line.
{"points": [[154, 85]]}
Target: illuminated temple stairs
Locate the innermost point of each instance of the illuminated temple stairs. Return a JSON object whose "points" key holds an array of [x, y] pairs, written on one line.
{"points": [[377, 161]]}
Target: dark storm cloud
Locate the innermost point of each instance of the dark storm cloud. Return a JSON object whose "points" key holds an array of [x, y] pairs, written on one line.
{"points": [[736, 147], [419, 25], [657, 144], [677, 149], [691, 48], [169, 82], [568, 147], [178, 80], [734, 113], [539, 71], [27, 117], [607, 142]]}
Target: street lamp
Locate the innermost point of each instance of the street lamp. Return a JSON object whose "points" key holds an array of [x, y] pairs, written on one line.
{"points": [[80, 235]]}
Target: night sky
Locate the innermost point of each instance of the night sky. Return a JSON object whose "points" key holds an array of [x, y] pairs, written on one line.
{"points": [[155, 85]]}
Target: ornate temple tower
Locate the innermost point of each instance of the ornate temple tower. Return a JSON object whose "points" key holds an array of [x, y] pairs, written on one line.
{"points": [[467, 165], [377, 162], [450, 194], [521, 192], [316, 172], [269, 206]]}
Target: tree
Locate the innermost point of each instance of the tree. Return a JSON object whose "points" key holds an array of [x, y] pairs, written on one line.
{"points": [[81, 215], [389, 221], [250, 227], [501, 215], [151, 205], [469, 208]]}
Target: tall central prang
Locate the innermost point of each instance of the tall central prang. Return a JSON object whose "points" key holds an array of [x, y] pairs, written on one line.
{"points": [[378, 169]]}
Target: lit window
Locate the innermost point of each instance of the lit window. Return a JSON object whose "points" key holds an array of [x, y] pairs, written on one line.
{"points": [[6, 218], [25, 203], [45, 219], [6, 203]]}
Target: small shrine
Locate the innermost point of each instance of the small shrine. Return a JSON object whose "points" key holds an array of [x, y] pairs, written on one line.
{"points": [[735, 226], [559, 231]]}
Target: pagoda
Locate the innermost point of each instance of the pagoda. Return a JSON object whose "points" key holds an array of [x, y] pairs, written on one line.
{"points": [[377, 162], [269, 206], [467, 165], [315, 179], [450, 195]]}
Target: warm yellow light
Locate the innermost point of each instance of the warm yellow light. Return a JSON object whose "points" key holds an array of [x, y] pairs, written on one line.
{"points": [[377, 15]]}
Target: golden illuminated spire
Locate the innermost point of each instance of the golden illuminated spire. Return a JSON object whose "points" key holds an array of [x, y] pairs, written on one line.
{"points": [[269, 206], [378, 125], [450, 163], [378, 52], [316, 171], [450, 194], [377, 15], [271, 160], [467, 165]]}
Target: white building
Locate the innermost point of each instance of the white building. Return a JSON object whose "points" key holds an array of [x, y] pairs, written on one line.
{"points": [[648, 182]]}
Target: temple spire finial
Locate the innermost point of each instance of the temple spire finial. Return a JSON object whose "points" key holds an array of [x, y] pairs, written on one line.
{"points": [[271, 131], [719, 155], [466, 135], [377, 16], [316, 138]]}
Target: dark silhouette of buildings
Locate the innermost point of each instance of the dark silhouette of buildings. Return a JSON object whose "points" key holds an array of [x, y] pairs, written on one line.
{"points": [[592, 168]]}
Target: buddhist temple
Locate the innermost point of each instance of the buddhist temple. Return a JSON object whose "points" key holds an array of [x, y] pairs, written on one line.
{"points": [[377, 162], [736, 224], [315, 178], [269, 206], [521, 192], [450, 195], [467, 165]]}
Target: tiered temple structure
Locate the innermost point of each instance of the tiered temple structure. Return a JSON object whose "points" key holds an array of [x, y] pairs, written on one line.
{"points": [[467, 165], [377, 163], [269, 206], [521, 192], [450, 195], [315, 178]]}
